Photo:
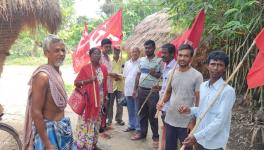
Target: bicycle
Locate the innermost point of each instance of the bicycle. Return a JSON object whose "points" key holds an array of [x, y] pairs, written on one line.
{"points": [[9, 137]]}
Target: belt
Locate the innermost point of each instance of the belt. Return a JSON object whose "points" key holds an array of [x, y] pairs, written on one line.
{"points": [[143, 88]]}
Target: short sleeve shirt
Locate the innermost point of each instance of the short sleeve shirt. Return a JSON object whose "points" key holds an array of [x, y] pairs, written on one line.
{"points": [[183, 88], [145, 64]]}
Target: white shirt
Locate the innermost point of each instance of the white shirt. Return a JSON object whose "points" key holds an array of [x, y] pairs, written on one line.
{"points": [[130, 72]]}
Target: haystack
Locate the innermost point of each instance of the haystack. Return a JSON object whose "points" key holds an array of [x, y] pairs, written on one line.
{"points": [[156, 27], [15, 15]]}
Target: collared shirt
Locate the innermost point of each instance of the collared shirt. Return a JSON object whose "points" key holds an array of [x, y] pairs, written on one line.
{"points": [[130, 73], [117, 68], [213, 131], [145, 64], [108, 65], [165, 76]]}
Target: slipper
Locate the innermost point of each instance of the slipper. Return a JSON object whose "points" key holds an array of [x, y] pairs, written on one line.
{"points": [[137, 136], [128, 130], [155, 144]]}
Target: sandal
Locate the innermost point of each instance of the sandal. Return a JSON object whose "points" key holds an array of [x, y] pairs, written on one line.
{"points": [[137, 136]]}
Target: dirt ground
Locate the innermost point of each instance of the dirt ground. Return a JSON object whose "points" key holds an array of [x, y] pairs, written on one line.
{"points": [[13, 95], [242, 127]]}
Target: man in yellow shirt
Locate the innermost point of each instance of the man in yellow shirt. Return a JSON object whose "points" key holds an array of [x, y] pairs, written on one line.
{"points": [[118, 86]]}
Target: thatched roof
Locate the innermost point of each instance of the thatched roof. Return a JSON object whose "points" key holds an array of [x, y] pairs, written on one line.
{"points": [[156, 27], [17, 14]]}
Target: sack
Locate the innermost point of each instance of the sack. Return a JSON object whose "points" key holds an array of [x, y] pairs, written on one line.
{"points": [[77, 101], [122, 101]]}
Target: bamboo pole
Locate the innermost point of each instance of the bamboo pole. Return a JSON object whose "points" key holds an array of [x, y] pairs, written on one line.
{"points": [[167, 87], [199, 119], [95, 96], [169, 82]]}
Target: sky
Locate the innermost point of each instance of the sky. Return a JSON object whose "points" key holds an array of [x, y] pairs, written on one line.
{"points": [[87, 7]]}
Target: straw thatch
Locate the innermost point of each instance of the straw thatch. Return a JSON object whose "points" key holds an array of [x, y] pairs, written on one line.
{"points": [[17, 14], [156, 27]]}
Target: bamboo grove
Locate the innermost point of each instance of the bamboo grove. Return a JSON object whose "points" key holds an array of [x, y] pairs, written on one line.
{"points": [[231, 26]]}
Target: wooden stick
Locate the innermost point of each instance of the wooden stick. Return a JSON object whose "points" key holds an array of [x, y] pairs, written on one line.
{"points": [[166, 89], [151, 91], [169, 82], [199, 119], [95, 96]]}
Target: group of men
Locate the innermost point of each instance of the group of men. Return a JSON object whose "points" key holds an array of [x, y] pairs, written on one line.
{"points": [[149, 84], [182, 97]]}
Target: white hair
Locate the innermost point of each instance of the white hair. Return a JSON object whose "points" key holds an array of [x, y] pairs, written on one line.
{"points": [[50, 39]]}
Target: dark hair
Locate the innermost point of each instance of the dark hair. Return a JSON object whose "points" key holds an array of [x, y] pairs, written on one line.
{"points": [[150, 42], [218, 55], [106, 41], [187, 46], [170, 47], [91, 51]]}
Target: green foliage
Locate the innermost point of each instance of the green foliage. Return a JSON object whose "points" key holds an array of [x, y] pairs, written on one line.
{"points": [[29, 60], [231, 25], [69, 88], [134, 11], [224, 19], [23, 45]]}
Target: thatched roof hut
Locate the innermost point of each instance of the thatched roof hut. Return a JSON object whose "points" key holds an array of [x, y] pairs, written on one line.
{"points": [[15, 15], [156, 27]]}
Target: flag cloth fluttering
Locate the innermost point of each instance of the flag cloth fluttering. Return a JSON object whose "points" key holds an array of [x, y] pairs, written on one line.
{"points": [[111, 28], [192, 35], [255, 76]]}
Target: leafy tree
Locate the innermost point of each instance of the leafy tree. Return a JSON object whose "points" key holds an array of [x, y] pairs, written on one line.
{"points": [[134, 11]]}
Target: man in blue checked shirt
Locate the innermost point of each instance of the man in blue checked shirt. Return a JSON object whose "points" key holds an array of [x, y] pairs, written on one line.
{"points": [[213, 131]]}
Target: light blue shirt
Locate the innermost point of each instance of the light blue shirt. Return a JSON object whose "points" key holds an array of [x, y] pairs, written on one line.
{"points": [[213, 131], [165, 76]]}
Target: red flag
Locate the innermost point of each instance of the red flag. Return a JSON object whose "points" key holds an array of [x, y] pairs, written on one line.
{"points": [[111, 28], [255, 76], [192, 35], [260, 41], [80, 52]]}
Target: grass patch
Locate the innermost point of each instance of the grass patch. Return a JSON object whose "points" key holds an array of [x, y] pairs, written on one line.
{"points": [[29, 60]]}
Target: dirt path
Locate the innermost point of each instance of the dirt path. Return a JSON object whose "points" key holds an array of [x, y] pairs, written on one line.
{"points": [[13, 95], [14, 88]]}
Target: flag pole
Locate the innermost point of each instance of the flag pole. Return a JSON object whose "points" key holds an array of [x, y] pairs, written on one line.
{"points": [[166, 89], [94, 91], [199, 119]]}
